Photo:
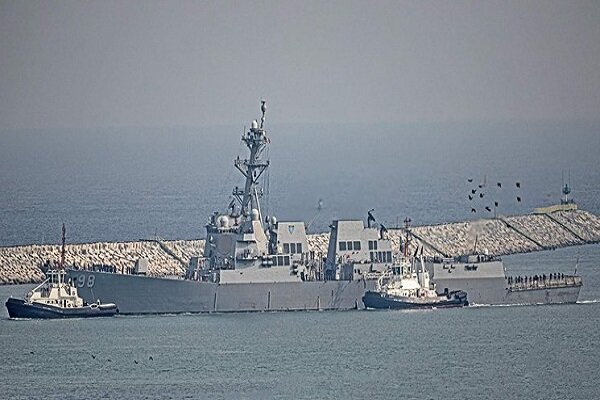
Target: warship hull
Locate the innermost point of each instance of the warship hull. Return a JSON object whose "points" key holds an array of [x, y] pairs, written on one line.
{"points": [[138, 294]]}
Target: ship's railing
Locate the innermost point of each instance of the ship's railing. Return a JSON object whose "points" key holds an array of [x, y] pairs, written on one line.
{"points": [[463, 259], [526, 283]]}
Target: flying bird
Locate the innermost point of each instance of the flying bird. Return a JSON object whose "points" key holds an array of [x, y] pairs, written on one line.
{"points": [[481, 195], [480, 186], [473, 210], [473, 191], [518, 184], [489, 209], [495, 204], [518, 199], [135, 361], [470, 197], [470, 180], [93, 356], [150, 358], [499, 184]]}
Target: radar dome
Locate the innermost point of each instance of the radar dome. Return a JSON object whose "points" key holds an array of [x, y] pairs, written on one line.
{"points": [[223, 221], [254, 214]]}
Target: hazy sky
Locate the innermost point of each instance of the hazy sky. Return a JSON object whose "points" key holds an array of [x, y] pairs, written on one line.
{"points": [[164, 63]]}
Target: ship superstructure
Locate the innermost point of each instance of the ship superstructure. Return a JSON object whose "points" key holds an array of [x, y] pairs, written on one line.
{"points": [[237, 239], [242, 245], [355, 251]]}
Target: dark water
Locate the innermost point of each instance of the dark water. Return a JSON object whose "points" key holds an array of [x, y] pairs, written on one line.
{"points": [[129, 184]]}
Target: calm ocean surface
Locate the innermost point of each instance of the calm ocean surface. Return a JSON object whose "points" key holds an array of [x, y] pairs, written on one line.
{"points": [[133, 183]]}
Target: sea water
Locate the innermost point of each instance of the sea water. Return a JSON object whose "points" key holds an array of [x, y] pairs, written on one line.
{"points": [[135, 183], [510, 352]]}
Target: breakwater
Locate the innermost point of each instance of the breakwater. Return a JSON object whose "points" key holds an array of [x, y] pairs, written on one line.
{"points": [[498, 236]]}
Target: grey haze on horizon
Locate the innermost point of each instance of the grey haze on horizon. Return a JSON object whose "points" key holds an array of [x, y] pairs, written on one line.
{"points": [[165, 63]]}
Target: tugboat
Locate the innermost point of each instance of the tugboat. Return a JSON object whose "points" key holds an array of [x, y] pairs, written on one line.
{"points": [[404, 287], [57, 298]]}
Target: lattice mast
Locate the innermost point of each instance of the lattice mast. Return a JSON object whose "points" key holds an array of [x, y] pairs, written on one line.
{"points": [[252, 168]]}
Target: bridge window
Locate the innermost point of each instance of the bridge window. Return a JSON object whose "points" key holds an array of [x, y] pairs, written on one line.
{"points": [[356, 245], [292, 248], [286, 248], [299, 248], [342, 246], [349, 245], [286, 260]]}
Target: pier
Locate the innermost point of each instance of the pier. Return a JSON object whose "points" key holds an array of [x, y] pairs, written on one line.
{"points": [[498, 236]]}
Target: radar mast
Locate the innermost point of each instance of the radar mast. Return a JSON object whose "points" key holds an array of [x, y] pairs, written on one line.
{"points": [[237, 239], [252, 168]]}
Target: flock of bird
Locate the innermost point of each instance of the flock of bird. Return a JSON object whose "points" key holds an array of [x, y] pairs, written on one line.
{"points": [[150, 358], [479, 190]]}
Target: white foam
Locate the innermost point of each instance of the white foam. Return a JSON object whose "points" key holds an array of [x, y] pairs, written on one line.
{"points": [[588, 301]]}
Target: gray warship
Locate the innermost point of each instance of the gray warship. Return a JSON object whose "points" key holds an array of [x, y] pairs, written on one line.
{"points": [[253, 262]]}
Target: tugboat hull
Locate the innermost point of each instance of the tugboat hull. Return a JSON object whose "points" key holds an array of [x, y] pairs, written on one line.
{"points": [[379, 300], [18, 308]]}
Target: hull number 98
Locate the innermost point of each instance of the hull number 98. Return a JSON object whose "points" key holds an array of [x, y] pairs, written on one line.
{"points": [[81, 281]]}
